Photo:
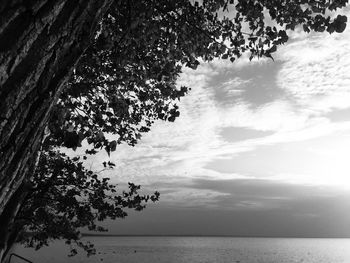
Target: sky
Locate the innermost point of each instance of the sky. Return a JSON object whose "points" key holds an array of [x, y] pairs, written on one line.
{"points": [[261, 148]]}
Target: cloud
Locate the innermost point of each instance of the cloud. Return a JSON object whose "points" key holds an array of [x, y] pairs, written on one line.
{"points": [[315, 72], [245, 207], [259, 195], [236, 134], [238, 119]]}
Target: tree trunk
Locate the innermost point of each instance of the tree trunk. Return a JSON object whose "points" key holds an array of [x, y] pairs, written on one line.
{"points": [[7, 219], [40, 43], [13, 237]]}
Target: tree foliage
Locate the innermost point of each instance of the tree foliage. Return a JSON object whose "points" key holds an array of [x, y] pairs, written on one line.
{"points": [[127, 79], [66, 197]]}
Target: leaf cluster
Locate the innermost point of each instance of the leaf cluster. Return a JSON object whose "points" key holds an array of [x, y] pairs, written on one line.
{"points": [[66, 197]]}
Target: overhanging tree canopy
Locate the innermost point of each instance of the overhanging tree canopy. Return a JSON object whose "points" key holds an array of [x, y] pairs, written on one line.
{"points": [[126, 56], [126, 79]]}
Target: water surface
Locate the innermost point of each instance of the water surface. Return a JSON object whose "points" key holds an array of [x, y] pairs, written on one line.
{"points": [[200, 250]]}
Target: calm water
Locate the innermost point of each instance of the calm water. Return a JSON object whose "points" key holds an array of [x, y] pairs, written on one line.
{"points": [[201, 250]]}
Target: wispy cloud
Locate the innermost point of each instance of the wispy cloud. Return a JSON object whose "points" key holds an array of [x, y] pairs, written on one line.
{"points": [[315, 72]]}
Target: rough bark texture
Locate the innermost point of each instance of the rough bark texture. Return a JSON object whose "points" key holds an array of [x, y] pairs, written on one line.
{"points": [[7, 219], [40, 43]]}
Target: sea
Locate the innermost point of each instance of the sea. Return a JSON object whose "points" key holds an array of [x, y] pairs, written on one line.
{"points": [[174, 249]]}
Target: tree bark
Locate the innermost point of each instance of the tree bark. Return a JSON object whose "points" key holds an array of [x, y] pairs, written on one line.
{"points": [[40, 43], [7, 219], [12, 239]]}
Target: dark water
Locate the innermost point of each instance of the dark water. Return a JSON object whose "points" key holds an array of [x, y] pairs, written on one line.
{"points": [[201, 250]]}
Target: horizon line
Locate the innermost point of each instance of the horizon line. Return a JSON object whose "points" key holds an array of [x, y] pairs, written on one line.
{"points": [[206, 235]]}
